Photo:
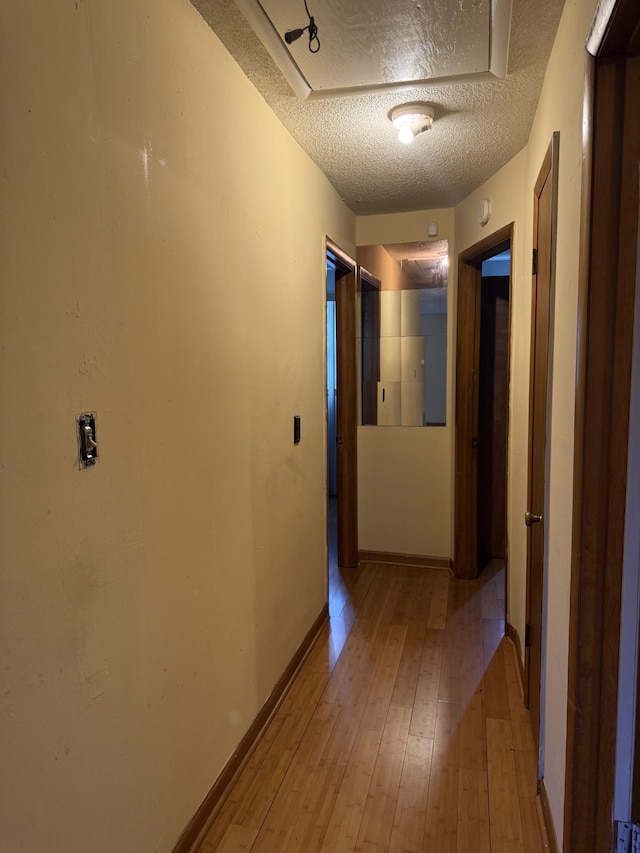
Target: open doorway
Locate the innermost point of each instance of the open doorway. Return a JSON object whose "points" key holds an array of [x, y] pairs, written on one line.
{"points": [[341, 389], [493, 408], [482, 411], [332, 419]]}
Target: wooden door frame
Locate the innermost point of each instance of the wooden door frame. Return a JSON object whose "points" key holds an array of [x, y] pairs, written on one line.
{"points": [[346, 405], [465, 563], [605, 338], [548, 172]]}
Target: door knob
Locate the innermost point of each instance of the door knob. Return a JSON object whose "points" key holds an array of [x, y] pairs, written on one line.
{"points": [[530, 518]]}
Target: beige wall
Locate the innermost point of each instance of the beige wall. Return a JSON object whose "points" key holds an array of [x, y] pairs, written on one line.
{"points": [[150, 243], [559, 108], [405, 473], [162, 264]]}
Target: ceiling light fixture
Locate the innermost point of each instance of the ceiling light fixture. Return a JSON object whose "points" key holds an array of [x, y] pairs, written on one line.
{"points": [[293, 35], [411, 119]]}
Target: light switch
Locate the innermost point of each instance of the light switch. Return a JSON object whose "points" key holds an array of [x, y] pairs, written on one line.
{"points": [[87, 441]]}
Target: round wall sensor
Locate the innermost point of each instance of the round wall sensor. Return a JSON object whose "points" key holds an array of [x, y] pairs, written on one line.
{"points": [[484, 211]]}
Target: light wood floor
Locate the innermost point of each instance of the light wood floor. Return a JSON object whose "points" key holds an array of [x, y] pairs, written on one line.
{"points": [[404, 730]]}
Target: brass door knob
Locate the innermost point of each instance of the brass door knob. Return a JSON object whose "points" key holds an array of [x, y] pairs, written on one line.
{"points": [[531, 519]]}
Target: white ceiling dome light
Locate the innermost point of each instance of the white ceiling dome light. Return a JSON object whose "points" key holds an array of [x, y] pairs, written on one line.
{"points": [[411, 119]]}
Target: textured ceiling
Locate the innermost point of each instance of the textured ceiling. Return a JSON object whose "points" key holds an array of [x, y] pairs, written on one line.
{"points": [[361, 39], [478, 126], [359, 47], [421, 262]]}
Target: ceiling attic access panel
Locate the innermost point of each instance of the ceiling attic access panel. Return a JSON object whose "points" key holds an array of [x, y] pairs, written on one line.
{"points": [[368, 45]]}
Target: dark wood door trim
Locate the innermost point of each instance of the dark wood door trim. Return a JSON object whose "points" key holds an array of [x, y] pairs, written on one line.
{"points": [[465, 560], [340, 255], [465, 563], [545, 198], [605, 338], [347, 406]]}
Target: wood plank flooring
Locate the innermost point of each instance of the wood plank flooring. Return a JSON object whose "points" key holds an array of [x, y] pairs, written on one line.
{"points": [[404, 730]]}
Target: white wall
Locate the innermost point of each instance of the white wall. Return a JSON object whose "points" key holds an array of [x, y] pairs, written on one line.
{"points": [[405, 474], [162, 265], [559, 108]]}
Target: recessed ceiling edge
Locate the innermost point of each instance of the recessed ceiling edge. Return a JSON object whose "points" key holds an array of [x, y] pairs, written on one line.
{"points": [[268, 35], [260, 22]]}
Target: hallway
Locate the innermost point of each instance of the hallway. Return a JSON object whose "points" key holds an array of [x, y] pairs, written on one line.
{"points": [[404, 729]]}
